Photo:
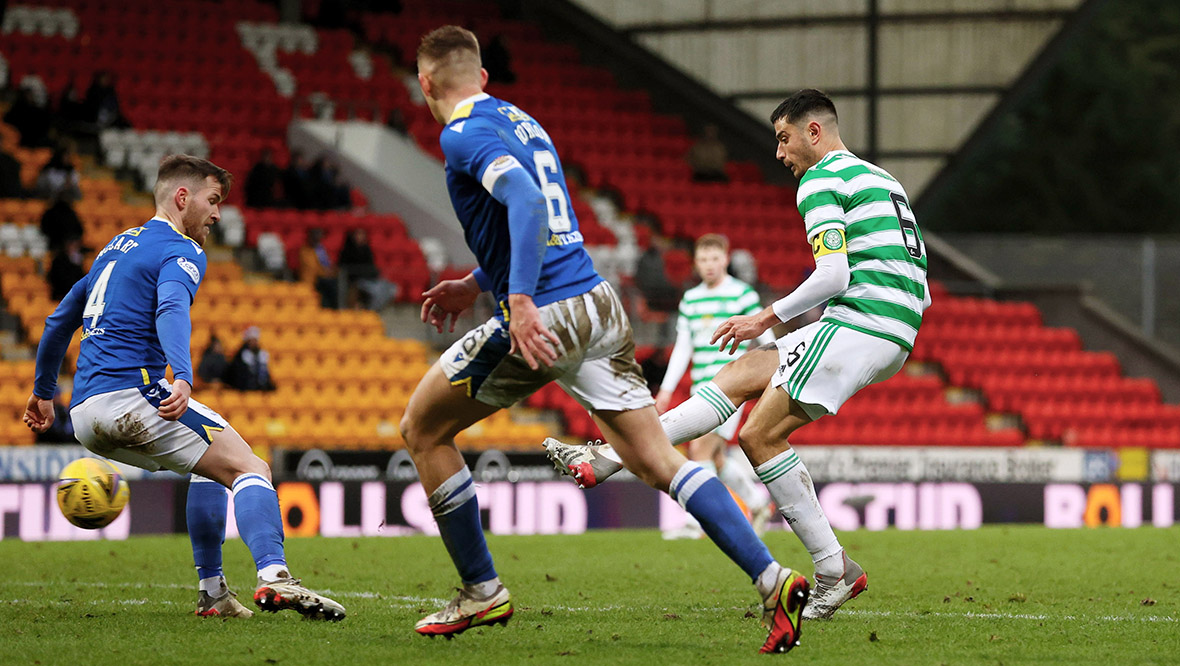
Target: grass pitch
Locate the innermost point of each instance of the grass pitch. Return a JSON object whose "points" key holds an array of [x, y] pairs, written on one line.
{"points": [[996, 595]]}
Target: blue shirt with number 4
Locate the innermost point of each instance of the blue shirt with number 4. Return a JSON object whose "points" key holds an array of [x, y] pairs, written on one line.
{"points": [[116, 305]]}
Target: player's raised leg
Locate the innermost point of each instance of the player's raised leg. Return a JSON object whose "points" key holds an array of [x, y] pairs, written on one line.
{"points": [[703, 412], [764, 439], [639, 441], [205, 513], [436, 413], [230, 462]]}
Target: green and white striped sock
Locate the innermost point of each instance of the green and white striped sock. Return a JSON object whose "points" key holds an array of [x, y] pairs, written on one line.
{"points": [[699, 415]]}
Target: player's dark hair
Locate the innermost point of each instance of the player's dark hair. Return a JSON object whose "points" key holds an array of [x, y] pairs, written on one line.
{"points": [[441, 42], [191, 169], [715, 241], [802, 104]]}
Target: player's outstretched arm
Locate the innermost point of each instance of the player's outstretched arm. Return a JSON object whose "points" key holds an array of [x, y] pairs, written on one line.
{"points": [[829, 279], [175, 329], [447, 299], [678, 364], [739, 328], [51, 350]]}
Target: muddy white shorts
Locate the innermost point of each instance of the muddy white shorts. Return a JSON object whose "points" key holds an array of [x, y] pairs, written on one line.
{"points": [[125, 426], [823, 364], [595, 365]]}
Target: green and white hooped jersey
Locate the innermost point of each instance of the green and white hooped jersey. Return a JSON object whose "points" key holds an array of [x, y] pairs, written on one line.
{"points": [[702, 310], [887, 290]]}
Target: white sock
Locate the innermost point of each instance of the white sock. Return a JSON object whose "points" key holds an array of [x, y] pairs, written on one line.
{"points": [[738, 475], [791, 489], [211, 585], [485, 589], [697, 416], [273, 572], [767, 579]]}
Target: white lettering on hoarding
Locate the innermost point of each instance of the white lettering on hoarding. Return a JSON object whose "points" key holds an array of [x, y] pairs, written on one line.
{"points": [[1069, 505], [923, 506], [38, 518]]}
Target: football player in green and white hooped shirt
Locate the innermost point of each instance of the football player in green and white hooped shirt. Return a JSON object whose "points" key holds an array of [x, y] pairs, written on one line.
{"points": [[870, 269], [718, 297]]}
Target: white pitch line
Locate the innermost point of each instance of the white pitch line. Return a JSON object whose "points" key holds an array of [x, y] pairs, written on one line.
{"points": [[405, 601], [1015, 616]]}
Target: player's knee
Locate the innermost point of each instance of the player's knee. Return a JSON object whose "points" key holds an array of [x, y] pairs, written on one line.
{"points": [[751, 437], [413, 433], [261, 467], [249, 465]]}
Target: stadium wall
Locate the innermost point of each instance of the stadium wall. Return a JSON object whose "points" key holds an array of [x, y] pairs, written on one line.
{"points": [[910, 114], [356, 494], [395, 175]]}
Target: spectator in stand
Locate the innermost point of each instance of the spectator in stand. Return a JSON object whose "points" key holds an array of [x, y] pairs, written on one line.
{"points": [[102, 102], [707, 157], [262, 181], [212, 369], [315, 268], [498, 61], [396, 121], [652, 278], [60, 223], [66, 269], [329, 190], [59, 179], [360, 270], [71, 110], [297, 184], [250, 369], [29, 117], [341, 192], [10, 185]]}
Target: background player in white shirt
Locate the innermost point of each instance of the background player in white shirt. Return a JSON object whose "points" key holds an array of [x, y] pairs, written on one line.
{"points": [[718, 297]]}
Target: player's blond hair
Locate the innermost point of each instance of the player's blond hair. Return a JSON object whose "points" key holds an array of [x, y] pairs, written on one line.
{"points": [[450, 54], [177, 169], [712, 241]]}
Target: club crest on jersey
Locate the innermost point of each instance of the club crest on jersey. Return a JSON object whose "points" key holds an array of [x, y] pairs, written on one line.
{"points": [[829, 242], [832, 239], [190, 268]]}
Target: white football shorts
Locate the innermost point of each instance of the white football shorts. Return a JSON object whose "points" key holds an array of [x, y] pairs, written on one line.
{"points": [[822, 365], [125, 426], [595, 364]]}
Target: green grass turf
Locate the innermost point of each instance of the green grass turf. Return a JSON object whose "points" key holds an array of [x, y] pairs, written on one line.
{"points": [[996, 595]]}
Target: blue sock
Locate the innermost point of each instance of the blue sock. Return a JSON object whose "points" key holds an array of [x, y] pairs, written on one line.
{"points": [[457, 513], [256, 507], [205, 513], [709, 501]]}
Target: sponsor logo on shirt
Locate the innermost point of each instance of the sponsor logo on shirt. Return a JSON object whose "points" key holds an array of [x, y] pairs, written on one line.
{"points": [[190, 268]]}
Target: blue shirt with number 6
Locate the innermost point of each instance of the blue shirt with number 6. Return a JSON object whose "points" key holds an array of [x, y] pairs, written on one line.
{"points": [[508, 190]]}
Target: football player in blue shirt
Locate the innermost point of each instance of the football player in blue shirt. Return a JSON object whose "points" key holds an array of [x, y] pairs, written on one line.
{"points": [[557, 321], [133, 307]]}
